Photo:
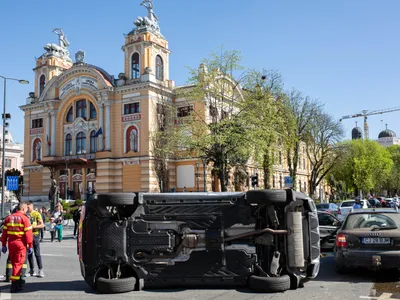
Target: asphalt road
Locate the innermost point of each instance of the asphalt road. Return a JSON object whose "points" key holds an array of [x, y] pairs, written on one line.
{"points": [[63, 281]]}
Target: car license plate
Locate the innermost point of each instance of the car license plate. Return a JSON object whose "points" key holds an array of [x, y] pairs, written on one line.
{"points": [[376, 241]]}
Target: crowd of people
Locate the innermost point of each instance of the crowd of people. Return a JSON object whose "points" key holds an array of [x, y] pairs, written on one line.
{"points": [[23, 231]]}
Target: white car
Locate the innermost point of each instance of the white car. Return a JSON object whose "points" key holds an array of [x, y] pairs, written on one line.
{"points": [[347, 205]]}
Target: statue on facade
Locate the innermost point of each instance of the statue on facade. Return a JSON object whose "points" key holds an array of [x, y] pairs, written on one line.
{"points": [[149, 5], [133, 140], [61, 38], [38, 150]]}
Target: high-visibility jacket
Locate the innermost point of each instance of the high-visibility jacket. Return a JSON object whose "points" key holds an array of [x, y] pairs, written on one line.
{"points": [[17, 228]]}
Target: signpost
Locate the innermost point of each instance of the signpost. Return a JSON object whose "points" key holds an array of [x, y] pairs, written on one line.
{"points": [[12, 183], [288, 182]]}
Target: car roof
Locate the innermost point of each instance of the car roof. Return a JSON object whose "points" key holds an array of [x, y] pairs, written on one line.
{"points": [[374, 210]]}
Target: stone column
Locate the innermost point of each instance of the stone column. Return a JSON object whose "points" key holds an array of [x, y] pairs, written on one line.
{"points": [[101, 125], [108, 125], [84, 185], [53, 133], [48, 134]]}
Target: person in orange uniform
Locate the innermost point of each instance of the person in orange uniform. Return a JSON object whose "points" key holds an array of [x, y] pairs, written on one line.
{"points": [[17, 231]]}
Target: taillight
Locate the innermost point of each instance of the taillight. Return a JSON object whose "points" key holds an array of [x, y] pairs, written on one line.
{"points": [[329, 211], [339, 212], [341, 240]]}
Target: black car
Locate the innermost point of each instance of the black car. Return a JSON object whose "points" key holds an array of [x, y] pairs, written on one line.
{"points": [[328, 227], [265, 239], [375, 203], [369, 238], [331, 208]]}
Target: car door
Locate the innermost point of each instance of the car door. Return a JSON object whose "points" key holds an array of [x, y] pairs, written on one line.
{"points": [[328, 226]]}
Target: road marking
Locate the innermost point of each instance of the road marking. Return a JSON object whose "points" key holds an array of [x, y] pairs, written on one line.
{"points": [[384, 296]]}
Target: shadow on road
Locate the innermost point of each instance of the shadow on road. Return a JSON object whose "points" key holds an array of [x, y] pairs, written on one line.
{"points": [[327, 273], [77, 285]]}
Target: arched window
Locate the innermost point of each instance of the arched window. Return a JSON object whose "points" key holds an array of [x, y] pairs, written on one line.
{"points": [[132, 139], [81, 109], [159, 68], [37, 150], [70, 115], [93, 112], [93, 141], [135, 66], [68, 144], [81, 143], [42, 84]]}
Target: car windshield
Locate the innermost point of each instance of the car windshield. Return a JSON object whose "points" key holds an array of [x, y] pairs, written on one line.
{"points": [[372, 221], [347, 203], [324, 205]]}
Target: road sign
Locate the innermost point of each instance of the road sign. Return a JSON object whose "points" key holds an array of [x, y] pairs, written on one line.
{"points": [[12, 183], [288, 181]]}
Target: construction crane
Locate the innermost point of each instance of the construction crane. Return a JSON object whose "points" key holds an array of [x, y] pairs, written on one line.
{"points": [[366, 113]]}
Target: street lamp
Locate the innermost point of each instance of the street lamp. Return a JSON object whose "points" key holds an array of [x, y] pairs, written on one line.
{"points": [[3, 152]]}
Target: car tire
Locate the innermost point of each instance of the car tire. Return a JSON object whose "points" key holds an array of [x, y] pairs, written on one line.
{"points": [[115, 286], [269, 284], [116, 199], [267, 197]]}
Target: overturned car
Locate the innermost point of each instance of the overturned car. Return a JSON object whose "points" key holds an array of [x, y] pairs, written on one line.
{"points": [[267, 240]]}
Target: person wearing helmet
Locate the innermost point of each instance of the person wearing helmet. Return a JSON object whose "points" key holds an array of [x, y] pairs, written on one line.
{"points": [[357, 204]]}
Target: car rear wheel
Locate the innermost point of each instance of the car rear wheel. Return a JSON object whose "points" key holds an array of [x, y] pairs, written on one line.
{"points": [[115, 286], [269, 284], [267, 197]]}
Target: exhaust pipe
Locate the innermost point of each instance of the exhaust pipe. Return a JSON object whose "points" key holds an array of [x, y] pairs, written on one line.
{"points": [[295, 240]]}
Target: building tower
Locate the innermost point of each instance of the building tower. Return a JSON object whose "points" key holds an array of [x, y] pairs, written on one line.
{"points": [[356, 133]]}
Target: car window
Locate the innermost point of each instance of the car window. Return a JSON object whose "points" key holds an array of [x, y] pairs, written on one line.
{"points": [[333, 206], [348, 204], [323, 205], [326, 220], [367, 221]]}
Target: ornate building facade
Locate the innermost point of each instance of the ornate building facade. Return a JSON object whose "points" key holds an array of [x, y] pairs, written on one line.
{"points": [[90, 131]]}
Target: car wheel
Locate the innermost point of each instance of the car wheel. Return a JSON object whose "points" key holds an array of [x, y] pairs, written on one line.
{"points": [[90, 282], [115, 199], [269, 284], [267, 197], [115, 286]]}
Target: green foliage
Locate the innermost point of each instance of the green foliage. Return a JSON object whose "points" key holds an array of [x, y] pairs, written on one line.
{"points": [[364, 165]]}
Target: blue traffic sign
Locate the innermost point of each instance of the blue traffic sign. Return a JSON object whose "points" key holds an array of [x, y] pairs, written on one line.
{"points": [[12, 183]]}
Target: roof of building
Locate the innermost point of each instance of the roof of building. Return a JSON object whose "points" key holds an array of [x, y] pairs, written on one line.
{"points": [[387, 133]]}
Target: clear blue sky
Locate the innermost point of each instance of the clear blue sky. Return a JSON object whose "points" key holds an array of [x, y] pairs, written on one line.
{"points": [[344, 53]]}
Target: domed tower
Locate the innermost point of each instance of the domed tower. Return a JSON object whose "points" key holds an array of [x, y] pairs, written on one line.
{"points": [[387, 133], [356, 133], [146, 51], [54, 61]]}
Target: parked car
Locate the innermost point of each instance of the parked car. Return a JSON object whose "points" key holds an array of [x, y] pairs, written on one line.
{"points": [[328, 227], [347, 205], [331, 208], [390, 202], [265, 239], [369, 238], [375, 203]]}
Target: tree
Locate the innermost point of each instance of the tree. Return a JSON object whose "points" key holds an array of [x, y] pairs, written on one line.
{"points": [[264, 112], [164, 138], [300, 112], [217, 131], [322, 150], [364, 166], [393, 182], [15, 172]]}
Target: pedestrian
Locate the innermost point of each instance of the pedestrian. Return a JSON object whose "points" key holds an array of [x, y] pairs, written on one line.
{"points": [[37, 224], [357, 204], [44, 216], [76, 217], [58, 219], [17, 232], [52, 229]]}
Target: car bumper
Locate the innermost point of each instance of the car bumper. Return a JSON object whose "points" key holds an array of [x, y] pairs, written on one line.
{"points": [[372, 259]]}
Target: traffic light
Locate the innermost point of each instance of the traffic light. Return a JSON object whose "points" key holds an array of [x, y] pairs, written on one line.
{"points": [[254, 180]]}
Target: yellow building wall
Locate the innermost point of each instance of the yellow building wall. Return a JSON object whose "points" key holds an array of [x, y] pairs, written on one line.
{"points": [[131, 178], [35, 182]]}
